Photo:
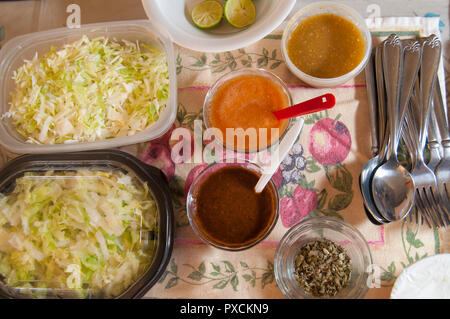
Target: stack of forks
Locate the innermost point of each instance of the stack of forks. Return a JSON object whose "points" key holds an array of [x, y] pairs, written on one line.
{"points": [[425, 130], [431, 178]]}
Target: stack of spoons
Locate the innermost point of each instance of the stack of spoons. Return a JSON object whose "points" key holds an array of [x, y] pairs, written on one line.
{"points": [[406, 106]]}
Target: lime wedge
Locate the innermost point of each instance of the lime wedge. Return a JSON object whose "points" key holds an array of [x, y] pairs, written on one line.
{"points": [[240, 13], [207, 14]]}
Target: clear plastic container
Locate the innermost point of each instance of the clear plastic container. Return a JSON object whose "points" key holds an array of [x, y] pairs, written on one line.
{"points": [[320, 8], [75, 173], [15, 51]]}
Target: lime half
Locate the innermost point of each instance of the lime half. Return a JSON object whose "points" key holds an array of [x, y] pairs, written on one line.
{"points": [[240, 13], [207, 14]]}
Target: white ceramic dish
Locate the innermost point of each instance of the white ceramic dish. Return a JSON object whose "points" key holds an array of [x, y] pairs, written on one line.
{"points": [[175, 16], [320, 8], [16, 50], [428, 278]]}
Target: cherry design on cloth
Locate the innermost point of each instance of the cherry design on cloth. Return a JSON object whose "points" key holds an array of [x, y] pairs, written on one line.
{"points": [[158, 154]]}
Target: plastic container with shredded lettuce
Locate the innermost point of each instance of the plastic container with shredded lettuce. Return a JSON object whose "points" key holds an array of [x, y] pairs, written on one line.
{"points": [[100, 86], [83, 225], [90, 233], [89, 90]]}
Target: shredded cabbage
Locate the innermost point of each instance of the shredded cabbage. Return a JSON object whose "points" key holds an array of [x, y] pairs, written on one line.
{"points": [[89, 90], [92, 232]]}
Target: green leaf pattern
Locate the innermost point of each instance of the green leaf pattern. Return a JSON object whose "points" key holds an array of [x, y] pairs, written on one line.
{"points": [[229, 61], [413, 249], [219, 275]]}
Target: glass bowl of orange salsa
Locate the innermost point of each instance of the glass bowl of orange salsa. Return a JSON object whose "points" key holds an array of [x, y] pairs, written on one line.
{"points": [[326, 44], [244, 100]]}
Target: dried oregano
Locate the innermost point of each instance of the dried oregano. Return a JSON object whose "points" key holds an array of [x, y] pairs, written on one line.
{"points": [[322, 268]]}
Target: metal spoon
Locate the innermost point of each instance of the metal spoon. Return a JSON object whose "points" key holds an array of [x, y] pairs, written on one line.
{"points": [[370, 166], [411, 60], [372, 102], [392, 184], [383, 129]]}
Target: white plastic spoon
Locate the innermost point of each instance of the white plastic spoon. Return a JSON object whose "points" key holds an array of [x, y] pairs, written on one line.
{"points": [[284, 147]]}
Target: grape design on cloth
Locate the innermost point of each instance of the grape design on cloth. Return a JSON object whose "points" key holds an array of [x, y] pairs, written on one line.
{"points": [[293, 165]]}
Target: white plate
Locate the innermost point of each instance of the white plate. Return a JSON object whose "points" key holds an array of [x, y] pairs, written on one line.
{"points": [[175, 17], [428, 278]]}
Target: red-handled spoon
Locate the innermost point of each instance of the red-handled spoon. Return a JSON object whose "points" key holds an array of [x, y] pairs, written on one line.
{"points": [[320, 103]]}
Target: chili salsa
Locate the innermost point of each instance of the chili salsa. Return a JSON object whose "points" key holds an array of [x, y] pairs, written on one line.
{"points": [[326, 46], [248, 101], [229, 213]]}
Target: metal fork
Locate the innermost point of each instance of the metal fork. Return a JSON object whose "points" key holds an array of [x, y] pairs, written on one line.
{"points": [[427, 198], [424, 178], [433, 144], [410, 136], [408, 125], [435, 158], [443, 169]]}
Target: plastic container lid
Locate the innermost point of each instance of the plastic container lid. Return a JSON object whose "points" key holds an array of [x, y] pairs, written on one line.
{"points": [[147, 236], [21, 48]]}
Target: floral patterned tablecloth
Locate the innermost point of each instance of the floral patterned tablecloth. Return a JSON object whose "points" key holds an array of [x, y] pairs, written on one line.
{"points": [[318, 178]]}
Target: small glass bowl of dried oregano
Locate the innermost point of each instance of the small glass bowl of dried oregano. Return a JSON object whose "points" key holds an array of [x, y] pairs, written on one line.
{"points": [[323, 257]]}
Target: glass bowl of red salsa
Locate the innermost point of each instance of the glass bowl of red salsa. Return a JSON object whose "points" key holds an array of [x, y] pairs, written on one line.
{"points": [[225, 211]]}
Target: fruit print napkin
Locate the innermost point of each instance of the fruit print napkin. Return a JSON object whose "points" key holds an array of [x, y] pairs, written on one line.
{"points": [[318, 178]]}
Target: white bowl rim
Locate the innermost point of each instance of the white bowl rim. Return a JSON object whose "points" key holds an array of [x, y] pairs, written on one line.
{"points": [[224, 43], [415, 269]]}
